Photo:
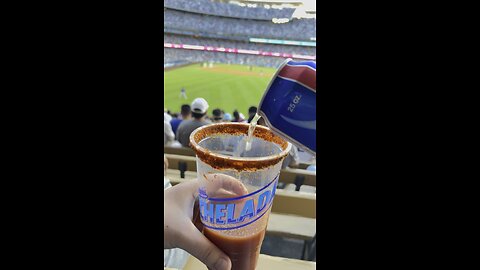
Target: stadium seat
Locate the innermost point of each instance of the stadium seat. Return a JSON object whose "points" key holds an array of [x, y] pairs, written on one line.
{"points": [[290, 187], [308, 189], [183, 151], [287, 175]]}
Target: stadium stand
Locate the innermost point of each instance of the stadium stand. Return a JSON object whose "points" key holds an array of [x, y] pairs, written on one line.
{"points": [[296, 29], [297, 177], [228, 10], [226, 25], [184, 151]]}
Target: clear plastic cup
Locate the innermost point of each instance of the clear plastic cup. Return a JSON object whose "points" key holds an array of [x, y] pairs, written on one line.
{"points": [[237, 187]]}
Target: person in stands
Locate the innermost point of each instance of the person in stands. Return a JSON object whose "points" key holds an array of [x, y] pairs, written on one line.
{"points": [[199, 108], [217, 116], [251, 113], [168, 135], [227, 117], [243, 118], [292, 160], [186, 114], [237, 117]]}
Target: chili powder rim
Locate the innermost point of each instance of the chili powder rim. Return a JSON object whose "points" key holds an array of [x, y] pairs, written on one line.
{"points": [[219, 161]]}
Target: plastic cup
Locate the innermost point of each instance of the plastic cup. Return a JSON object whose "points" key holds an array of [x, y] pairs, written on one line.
{"points": [[237, 187]]}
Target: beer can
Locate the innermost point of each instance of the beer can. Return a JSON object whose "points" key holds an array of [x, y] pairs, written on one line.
{"points": [[288, 106]]}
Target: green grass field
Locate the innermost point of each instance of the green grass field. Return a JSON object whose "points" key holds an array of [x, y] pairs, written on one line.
{"points": [[227, 87]]}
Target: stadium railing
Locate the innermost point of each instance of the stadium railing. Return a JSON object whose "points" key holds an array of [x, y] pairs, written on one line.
{"points": [[297, 177], [185, 151]]}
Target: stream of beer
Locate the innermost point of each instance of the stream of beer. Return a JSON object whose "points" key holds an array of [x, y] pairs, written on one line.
{"points": [[245, 144], [251, 129]]}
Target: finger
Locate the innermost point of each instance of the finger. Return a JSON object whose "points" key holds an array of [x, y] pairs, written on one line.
{"points": [[195, 243], [190, 201], [188, 190], [226, 186], [216, 181]]}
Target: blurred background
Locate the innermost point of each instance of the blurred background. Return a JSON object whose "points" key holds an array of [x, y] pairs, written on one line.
{"points": [[227, 51]]}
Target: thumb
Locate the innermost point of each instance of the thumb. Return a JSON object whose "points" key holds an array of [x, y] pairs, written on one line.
{"points": [[195, 243]]}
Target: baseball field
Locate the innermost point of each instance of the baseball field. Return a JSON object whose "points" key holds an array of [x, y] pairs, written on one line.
{"points": [[227, 87]]}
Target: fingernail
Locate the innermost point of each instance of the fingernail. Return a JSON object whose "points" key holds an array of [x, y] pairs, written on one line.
{"points": [[222, 264]]}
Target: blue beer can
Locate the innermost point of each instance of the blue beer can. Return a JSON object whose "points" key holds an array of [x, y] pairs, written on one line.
{"points": [[288, 106]]}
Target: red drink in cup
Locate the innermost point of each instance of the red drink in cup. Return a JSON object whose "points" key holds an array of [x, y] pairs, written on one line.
{"points": [[237, 186]]}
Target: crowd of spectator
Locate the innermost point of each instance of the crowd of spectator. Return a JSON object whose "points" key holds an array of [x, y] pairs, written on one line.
{"points": [[296, 29], [225, 21], [228, 10], [181, 39], [179, 126], [194, 56]]}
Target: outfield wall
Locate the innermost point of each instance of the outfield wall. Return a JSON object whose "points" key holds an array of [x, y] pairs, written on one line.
{"points": [[237, 51], [177, 64]]}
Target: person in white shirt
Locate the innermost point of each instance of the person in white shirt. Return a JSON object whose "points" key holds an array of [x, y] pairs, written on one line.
{"points": [[175, 257], [293, 159], [168, 135], [199, 108]]}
